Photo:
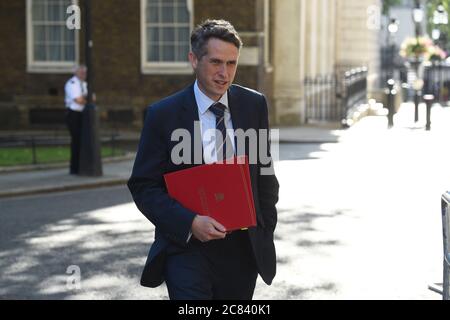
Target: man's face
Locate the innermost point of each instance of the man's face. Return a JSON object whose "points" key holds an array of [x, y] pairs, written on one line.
{"points": [[81, 74], [215, 71]]}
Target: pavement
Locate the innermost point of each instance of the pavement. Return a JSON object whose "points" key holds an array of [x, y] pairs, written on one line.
{"points": [[36, 179]]}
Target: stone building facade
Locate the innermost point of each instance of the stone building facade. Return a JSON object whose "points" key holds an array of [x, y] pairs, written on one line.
{"points": [[312, 38]]}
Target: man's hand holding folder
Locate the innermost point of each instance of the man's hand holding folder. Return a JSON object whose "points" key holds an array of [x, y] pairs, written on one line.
{"points": [[220, 193], [205, 228]]}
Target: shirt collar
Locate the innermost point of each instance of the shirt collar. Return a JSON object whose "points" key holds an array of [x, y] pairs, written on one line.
{"points": [[76, 79], [204, 102]]}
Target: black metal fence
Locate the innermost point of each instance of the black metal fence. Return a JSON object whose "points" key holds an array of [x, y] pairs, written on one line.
{"points": [[437, 81], [54, 138], [331, 97], [321, 98]]}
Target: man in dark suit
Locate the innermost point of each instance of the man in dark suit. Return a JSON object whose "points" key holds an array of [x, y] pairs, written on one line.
{"points": [[193, 254]]}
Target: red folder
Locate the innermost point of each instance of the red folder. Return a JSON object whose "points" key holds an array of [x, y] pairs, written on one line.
{"points": [[220, 190]]}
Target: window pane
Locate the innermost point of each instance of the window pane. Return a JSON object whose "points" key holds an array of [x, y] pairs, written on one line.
{"points": [[168, 52], [69, 35], [152, 34], [183, 35], [182, 15], [167, 14], [38, 11], [39, 53], [63, 9], [152, 53], [39, 33], [54, 12], [182, 53], [152, 14], [153, 2], [54, 52], [54, 34], [168, 34], [69, 53]]}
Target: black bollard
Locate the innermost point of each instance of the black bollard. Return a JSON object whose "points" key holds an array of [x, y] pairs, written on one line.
{"points": [[416, 105], [429, 98], [390, 94]]}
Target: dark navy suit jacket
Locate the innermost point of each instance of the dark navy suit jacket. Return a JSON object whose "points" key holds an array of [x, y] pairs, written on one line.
{"points": [[172, 221]]}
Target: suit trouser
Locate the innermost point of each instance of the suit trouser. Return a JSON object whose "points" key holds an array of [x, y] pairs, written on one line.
{"points": [[74, 122], [218, 269]]}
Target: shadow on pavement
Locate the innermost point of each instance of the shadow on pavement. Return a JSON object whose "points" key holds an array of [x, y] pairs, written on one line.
{"points": [[100, 232], [300, 234]]}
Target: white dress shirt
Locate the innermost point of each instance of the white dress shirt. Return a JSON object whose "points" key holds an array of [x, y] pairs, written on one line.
{"points": [[208, 123]]}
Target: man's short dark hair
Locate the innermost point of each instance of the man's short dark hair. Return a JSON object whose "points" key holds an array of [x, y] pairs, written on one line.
{"points": [[219, 29]]}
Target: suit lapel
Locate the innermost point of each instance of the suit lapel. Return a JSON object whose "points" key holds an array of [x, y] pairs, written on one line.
{"points": [[237, 115]]}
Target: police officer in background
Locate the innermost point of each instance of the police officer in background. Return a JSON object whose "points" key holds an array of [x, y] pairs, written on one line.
{"points": [[75, 99]]}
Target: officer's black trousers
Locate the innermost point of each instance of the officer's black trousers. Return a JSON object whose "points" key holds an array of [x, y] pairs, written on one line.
{"points": [[73, 121]]}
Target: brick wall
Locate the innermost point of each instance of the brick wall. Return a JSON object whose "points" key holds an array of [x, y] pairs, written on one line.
{"points": [[12, 49]]}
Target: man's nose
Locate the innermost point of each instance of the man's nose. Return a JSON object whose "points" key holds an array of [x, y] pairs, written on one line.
{"points": [[223, 70]]}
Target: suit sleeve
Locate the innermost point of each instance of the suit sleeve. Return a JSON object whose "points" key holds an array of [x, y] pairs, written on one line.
{"points": [[268, 186], [147, 185]]}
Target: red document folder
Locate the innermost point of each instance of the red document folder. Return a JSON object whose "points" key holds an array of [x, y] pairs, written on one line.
{"points": [[221, 191]]}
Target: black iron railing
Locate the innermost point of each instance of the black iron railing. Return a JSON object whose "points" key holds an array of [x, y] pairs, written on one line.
{"points": [[437, 80], [321, 99], [331, 97]]}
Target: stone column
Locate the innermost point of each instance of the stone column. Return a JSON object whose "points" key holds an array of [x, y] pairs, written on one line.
{"points": [[357, 44], [288, 59]]}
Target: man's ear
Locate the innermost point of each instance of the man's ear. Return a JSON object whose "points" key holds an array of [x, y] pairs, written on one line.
{"points": [[193, 60]]}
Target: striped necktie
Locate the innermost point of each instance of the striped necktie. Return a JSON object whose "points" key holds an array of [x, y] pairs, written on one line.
{"points": [[224, 147]]}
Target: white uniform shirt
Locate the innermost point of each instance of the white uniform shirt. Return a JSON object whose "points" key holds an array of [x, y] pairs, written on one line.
{"points": [[74, 89], [208, 123]]}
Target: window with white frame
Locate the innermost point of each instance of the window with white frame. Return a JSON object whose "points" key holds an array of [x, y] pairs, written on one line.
{"points": [[51, 46], [166, 26]]}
